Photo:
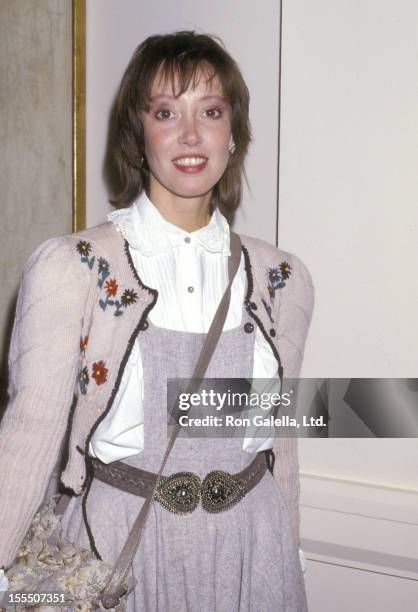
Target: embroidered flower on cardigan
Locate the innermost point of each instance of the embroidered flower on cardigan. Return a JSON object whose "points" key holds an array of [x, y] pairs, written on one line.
{"points": [[103, 271], [83, 343], [129, 297], [276, 277], [99, 372], [285, 269], [111, 287], [84, 380], [84, 249]]}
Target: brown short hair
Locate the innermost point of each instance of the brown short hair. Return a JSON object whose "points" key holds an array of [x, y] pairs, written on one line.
{"points": [[178, 55]]}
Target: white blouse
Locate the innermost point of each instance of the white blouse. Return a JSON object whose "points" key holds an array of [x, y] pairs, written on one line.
{"points": [[190, 273]]}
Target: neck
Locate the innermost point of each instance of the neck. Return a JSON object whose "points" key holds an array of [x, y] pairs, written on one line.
{"points": [[190, 214]]}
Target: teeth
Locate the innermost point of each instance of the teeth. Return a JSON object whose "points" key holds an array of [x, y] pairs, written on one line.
{"points": [[190, 161]]}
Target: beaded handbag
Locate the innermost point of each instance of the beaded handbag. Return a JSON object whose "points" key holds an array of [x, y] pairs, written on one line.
{"points": [[49, 569]]}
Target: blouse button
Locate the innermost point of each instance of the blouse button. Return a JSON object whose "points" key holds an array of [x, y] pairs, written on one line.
{"points": [[272, 333], [144, 325], [190, 289], [187, 239], [248, 328]]}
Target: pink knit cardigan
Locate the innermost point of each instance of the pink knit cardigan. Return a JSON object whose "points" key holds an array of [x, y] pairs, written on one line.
{"points": [[68, 353]]}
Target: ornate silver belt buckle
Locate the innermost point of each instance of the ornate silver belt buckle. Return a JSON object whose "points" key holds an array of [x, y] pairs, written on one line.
{"points": [[220, 491], [180, 492]]}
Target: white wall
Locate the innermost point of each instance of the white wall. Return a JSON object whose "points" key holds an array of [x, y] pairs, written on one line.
{"points": [[348, 179], [348, 196]]}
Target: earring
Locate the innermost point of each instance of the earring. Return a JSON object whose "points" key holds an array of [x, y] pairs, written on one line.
{"points": [[141, 161], [232, 147]]}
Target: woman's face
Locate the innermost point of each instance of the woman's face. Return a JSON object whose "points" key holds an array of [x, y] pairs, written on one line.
{"points": [[187, 138]]}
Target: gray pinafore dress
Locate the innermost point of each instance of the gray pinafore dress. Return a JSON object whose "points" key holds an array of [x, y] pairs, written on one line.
{"points": [[244, 559]]}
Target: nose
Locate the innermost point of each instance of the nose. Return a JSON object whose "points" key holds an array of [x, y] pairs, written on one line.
{"points": [[189, 132]]}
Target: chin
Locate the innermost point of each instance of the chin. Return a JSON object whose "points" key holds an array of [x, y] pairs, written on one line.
{"points": [[192, 191], [191, 194]]}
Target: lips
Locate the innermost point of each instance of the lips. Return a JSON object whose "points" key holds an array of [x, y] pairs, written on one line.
{"points": [[190, 164]]}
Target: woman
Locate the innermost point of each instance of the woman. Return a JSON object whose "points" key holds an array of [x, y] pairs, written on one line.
{"points": [[107, 315]]}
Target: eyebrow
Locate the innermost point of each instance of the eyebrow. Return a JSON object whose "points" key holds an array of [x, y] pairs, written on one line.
{"points": [[209, 97]]}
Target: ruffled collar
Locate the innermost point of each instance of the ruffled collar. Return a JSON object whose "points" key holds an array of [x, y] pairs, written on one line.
{"points": [[146, 230]]}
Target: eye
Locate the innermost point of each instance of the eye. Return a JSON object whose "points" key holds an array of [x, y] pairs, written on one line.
{"points": [[163, 114], [213, 113]]}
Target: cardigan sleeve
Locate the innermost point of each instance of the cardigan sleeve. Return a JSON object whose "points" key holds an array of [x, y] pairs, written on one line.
{"points": [[295, 308], [293, 302], [294, 315], [43, 361]]}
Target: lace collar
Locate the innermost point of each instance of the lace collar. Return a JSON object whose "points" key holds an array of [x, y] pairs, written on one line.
{"points": [[146, 230]]}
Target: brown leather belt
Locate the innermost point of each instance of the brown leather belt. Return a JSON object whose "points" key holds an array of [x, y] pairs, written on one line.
{"points": [[180, 492]]}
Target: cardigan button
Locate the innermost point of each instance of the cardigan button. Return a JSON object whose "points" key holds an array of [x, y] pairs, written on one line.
{"points": [[248, 328], [144, 325], [272, 333], [253, 305]]}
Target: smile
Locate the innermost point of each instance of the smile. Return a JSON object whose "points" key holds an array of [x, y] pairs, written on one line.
{"points": [[190, 165]]}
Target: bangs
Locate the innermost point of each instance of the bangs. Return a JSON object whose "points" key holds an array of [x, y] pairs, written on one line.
{"points": [[177, 74]]}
